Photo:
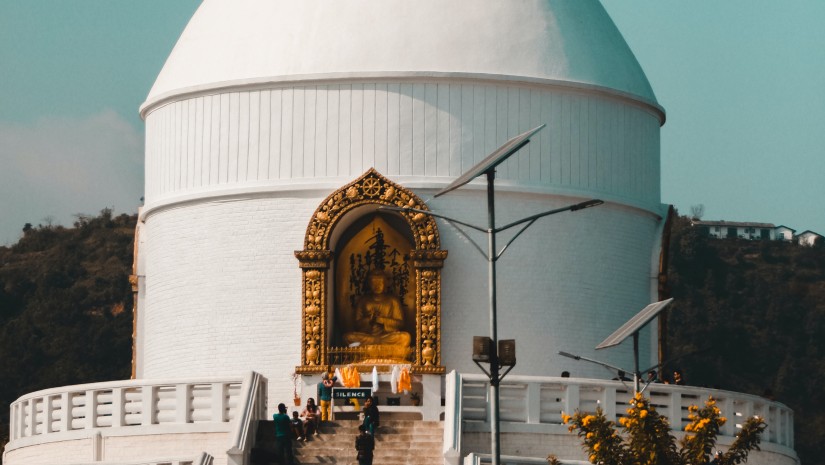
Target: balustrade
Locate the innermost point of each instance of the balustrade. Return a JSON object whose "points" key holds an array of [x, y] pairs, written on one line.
{"points": [[122, 404], [540, 401]]}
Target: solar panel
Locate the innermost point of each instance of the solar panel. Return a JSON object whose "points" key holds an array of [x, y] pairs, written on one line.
{"points": [[494, 159], [634, 324]]}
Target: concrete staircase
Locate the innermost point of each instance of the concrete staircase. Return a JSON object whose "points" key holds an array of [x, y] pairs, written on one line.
{"points": [[398, 442]]}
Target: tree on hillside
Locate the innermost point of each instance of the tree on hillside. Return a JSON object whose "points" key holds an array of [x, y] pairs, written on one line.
{"points": [[65, 305]]}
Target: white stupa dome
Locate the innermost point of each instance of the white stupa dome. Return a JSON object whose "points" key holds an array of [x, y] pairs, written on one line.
{"points": [[261, 41]]}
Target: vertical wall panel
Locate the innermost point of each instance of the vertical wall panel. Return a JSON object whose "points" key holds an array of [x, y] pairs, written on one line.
{"points": [[197, 172], [418, 130], [393, 129], [298, 127], [455, 113], [253, 163], [406, 119], [381, 117], [357, 129], [333, 125], [234, 118], [276, 132], [368, 127], [432, 129], [321, 118], [243, 137], [265, 136], [345, 129], [287, 119], [308, 152], [442, 130]]}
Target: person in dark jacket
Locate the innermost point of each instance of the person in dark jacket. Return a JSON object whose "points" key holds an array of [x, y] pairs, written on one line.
{"points": [[283, 435], [371, 417], [364, 444]]}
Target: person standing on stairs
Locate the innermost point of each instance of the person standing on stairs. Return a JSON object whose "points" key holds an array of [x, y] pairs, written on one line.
{"points": [[364, 445], [371, 417], [283, 436], [325, 395]]}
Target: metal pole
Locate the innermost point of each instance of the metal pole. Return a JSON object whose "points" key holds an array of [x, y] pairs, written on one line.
{"points": [[495, 438], [636, 374]]}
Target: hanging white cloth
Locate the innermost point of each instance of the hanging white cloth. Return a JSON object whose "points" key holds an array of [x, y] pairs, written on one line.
{"points": [[374, 379], [338, 376], [396, 372]]}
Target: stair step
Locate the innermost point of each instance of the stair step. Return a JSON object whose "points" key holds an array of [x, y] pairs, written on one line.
{"points": [[398, 442]]}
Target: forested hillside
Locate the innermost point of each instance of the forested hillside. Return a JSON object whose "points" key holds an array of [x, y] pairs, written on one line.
{"points": [[748, 316], [65, 306]]}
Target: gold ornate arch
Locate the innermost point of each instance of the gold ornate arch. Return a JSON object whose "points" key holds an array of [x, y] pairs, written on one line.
{"points": [[427, 259]]}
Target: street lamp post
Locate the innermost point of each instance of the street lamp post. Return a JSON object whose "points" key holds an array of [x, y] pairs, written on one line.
{"points": [[487, 167]]}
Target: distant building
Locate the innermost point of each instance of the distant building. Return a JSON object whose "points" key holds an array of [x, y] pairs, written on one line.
{"points": [[750, 231], [754, 231], [808, 238]]}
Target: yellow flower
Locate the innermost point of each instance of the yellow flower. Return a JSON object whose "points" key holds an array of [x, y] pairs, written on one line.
{"points": [[587, 420], [565, 418], [597, 446], [622, 421], [630, 411], [589, 435], [640, 405], [592, 458], [642, 413], [722, 421]]}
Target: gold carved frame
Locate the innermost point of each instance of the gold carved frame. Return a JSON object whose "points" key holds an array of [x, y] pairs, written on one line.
{"points": [[427, 259]]}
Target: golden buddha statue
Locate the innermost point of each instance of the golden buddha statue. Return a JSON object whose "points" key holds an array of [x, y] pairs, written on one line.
{"points": [[379, 319]]}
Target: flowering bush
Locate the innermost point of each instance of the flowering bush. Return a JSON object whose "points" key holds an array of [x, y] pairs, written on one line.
{"points": [[646, 438]]}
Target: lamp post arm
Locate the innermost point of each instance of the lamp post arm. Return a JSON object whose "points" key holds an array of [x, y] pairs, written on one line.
{"points": [[426, 212], [466, 236], [579, 357], [578, 206], [501, 252]]}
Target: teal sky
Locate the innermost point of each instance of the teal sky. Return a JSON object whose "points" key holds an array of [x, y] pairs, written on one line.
{"points": [[742, 81]]}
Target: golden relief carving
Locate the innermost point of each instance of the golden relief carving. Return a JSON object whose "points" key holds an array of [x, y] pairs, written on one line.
{"points": [[366, 307]]}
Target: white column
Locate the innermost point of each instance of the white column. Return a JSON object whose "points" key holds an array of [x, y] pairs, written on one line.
{"points": [[726, 407], [431, 397], [91, 410], [118, 415], [533, 401], [30, 413], [218, 402], [571, 399], [609, 402], [147, 405], [66, 410], [183, 403], [48, 409], [674, 413]]}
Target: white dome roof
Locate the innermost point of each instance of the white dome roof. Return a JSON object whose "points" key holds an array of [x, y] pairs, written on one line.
{"points": [[236, 42]]}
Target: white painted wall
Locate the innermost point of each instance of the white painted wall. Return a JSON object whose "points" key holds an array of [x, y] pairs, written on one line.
{"points": [[223, 286]]}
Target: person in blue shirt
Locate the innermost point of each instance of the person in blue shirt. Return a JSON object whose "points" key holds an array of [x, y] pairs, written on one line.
{"points": [[283, 435]]}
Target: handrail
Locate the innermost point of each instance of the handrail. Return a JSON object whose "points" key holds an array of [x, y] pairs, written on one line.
{"points": [[202, 459], [253, 408], [452, 423], [479, 459], [533, 403], [207, 404]]}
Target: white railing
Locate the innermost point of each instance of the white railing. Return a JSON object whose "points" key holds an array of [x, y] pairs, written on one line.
{"points": [[202, 459], [479, 459], [253, 409], [535, 404], [117, 406]]}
